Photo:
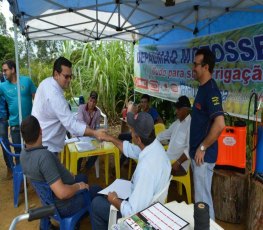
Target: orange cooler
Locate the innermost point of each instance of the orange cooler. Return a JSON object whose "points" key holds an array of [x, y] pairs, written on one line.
{"points": [[232, 147]]}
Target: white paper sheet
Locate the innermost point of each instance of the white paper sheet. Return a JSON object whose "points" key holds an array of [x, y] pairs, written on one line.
{"points": [[86, 139], [71, 140], [120, 186]]}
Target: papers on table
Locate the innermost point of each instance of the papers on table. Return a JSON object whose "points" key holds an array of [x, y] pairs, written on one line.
{"points": [[71, 140], [121, 187], [157, 216], [84, 146], [86, 139]]}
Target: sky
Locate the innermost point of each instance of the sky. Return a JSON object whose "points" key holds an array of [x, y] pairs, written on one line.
{"points": [[5, 11]]}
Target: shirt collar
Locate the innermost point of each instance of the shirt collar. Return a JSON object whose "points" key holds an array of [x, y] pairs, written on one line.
{"points": [[55, 83], [35, 148]]}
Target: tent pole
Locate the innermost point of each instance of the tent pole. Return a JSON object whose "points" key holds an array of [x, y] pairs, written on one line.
{"points": [[28, 58], [19, 107]]}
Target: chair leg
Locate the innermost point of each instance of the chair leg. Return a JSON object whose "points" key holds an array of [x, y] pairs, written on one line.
{"points": [[180, 188], [188, 191], [97, 167], [17, 181]]}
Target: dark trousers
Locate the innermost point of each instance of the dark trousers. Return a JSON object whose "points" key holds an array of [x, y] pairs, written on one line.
{"points": [[100, 210], [4, 134], [16, 139]]}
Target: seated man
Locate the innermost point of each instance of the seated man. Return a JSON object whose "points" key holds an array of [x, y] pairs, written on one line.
{"points": [[39, 164], [90, 115], [150, 177], [145, 107], [178, 134]]}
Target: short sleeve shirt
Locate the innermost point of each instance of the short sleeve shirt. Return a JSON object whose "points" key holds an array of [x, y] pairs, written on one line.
{"points": [[207, 106], [9, 91]]}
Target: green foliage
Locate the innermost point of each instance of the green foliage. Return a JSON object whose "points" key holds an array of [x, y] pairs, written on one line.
{"points": [[2, 24], [106, 67], [7, 49]]}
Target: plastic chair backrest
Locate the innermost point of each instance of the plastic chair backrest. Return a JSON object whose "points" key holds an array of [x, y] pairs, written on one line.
{"points": [[162, 195], [105, 120], [159, 127], [45, 194], [7, 148]]}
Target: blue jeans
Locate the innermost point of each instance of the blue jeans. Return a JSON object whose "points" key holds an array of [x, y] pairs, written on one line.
{"points": [[4, 134], [203, 175], [16, 139], [100, 211]]}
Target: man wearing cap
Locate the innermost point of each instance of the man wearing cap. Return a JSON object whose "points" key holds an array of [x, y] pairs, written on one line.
{"points": [[90, 114], [178, 134], [206, 126], [150, 177], [52, 111]]}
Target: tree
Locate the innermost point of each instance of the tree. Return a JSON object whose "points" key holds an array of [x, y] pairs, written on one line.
{"points": [[3, 29], [7, 48]]}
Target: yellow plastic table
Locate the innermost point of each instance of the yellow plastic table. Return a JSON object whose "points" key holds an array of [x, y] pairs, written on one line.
{"points": [[105, 148]]}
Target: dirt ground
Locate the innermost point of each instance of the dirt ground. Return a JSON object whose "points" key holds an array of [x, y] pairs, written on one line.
{"points": [[8, 212]]}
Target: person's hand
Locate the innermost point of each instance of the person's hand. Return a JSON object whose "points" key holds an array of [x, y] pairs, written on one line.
{"points": [[199, 157], [112, 196], [83, 185], [100, 134]]}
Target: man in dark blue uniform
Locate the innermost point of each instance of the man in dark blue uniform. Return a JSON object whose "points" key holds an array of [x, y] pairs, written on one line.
{"points": [[206, 125]]}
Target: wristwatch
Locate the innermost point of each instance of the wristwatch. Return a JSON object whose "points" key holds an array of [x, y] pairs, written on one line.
{"points": [[202, 147]]}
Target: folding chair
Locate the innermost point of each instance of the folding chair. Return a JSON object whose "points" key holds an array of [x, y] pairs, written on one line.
{"points": [[46, 196]]}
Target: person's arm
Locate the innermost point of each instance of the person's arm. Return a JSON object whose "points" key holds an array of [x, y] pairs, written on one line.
{"points": [[65, 191], [179, 161], [215, 131], [166, 134]]}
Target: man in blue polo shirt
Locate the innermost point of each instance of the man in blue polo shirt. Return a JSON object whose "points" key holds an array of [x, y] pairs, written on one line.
{"points": [[8, 89], [206, 125]]}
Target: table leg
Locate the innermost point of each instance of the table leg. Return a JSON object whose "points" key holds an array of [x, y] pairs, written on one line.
{"points": [[117, 162], [106, 163], [67, 156], [73, 163]]}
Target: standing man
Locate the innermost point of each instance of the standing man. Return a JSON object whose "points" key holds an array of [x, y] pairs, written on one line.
{"points": [[52, 111], [178, 133], [206, 126], [8, 89]]}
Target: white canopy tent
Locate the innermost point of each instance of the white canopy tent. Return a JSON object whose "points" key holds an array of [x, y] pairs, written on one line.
{"points": [[88, 20]]}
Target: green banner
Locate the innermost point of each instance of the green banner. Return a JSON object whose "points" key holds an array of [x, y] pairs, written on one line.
{"points": [[165, 71]]}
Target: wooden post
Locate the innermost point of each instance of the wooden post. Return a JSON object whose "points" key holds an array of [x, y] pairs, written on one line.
{"points": [[255, 206], [229, 191]]}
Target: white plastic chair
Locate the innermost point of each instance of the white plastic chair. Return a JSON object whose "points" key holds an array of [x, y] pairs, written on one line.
{"points": [[105, 120], [159, 197]]}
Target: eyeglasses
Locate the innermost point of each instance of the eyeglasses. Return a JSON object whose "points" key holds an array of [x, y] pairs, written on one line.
{"points": [[197, 64], [67, 76]]}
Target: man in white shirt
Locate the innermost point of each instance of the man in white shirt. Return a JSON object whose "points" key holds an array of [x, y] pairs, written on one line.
{"points": [[178, 134], [150, 177], [52, 111]]}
